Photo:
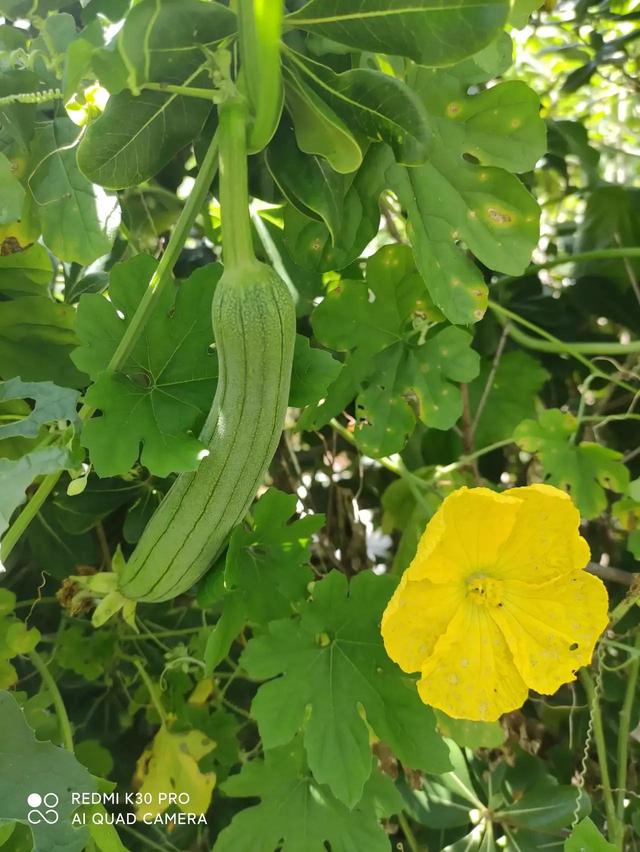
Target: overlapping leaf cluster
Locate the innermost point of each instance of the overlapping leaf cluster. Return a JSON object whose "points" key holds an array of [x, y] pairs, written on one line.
{"points": [[397, 194]]}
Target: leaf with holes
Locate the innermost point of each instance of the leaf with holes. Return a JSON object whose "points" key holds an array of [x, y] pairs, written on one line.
{"points": [[16, 475], [329, 672], [396, 374], [52, 403], [465, 195], [161, 396], [585, 469]]}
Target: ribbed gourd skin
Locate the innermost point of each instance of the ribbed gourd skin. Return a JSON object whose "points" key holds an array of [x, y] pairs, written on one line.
{"points": [[254, 326]]}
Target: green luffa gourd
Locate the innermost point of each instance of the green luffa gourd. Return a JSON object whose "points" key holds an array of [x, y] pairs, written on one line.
{"points": [[253, 316]]}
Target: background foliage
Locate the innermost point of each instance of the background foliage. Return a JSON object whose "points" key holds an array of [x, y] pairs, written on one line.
{"points": [[458, 215]]}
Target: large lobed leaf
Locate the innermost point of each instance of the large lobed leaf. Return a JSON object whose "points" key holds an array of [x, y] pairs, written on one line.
{"points": [[585, 468], [296, 813], [393, 368], [162, 394], [329, 672]]}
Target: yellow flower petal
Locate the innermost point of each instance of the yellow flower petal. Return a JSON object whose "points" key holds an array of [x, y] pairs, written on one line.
{"points": [[552, 628], [545, 541], [415, 617], [464, 536], [471, 673]]}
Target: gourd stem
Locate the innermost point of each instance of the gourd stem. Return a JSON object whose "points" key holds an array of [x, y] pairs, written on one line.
{"points": [[237, 243]]}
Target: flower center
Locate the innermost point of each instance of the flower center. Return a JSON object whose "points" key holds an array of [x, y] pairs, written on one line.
{"points": [[484, 591]]}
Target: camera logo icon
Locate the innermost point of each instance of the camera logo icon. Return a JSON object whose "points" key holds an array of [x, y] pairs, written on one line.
{"points": [[43, 808]]}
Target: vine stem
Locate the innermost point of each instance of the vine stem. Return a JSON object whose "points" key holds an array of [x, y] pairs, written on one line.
{"points": [[624, 729], [237, 241], [601, 749], [554, 344], [61, 711], [627, 603], [151, 688], [402, 471], [562, 259], [409, 836], [160, 279]]}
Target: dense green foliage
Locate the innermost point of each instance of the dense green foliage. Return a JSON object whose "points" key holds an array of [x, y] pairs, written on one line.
{"points": [[450, 194]]}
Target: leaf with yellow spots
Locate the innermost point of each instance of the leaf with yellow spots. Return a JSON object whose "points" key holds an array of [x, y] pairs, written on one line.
{"points": [[170, 766], [465, 196], [399, 367]]}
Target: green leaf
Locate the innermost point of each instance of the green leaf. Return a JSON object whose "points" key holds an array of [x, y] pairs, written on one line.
{"points": [[36, 339], [512, 396], [310, 242], [11, 193], [52, 403], [16, 475], [307, 182], [394, 370], [317, 127], [93, 755], [571, 137], [85, 651], [545, 808], [327, 666], [164, 41], [137, 135], [15, 639], [78, 220], [427, 31], [228, 626], [373, 105], [452, 203], [313, 371], [139, 132], [269, 561], [521, 11], [585, 837], [585, 469], [78, 57], [51, 545], [164, 391], [296, 813], [25, 271], [99, 499], [18, 120], [471, 734], [31, 767]]}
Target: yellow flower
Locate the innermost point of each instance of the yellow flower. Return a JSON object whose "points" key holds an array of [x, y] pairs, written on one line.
{"points": [[496, 602]]}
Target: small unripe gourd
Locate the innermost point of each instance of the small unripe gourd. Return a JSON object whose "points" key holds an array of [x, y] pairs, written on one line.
{"points": [[253, 316]]}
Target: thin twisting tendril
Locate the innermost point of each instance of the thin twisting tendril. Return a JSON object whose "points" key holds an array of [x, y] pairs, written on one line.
{"points": [[587, 742], [31, 97]]}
